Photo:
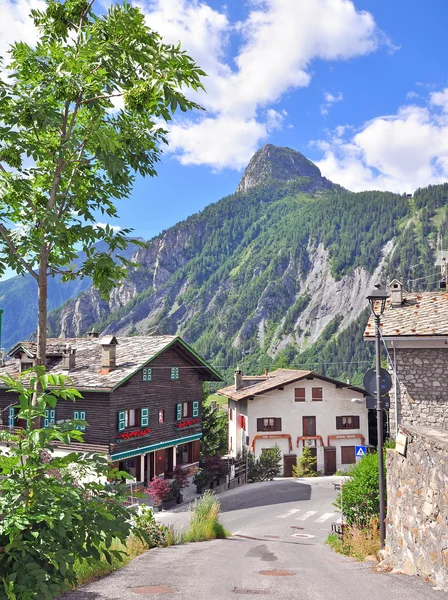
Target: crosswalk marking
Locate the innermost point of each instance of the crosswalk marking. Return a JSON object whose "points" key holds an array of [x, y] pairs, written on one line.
{"points": [[291, 512], [306, 516], [324, 517]]}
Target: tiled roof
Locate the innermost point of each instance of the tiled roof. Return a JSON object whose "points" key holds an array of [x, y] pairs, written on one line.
{"points": [[131, 354], [253, 386], [421, 314]]}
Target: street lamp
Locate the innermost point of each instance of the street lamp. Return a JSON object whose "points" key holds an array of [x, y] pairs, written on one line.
{"points": [[377, 300]]}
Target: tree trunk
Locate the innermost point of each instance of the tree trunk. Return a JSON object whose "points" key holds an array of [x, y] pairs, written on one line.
{"points": [[42, 293]]}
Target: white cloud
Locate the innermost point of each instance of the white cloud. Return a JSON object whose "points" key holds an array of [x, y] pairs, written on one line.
{"points": [[330, 99], [440, 99], [399, 152], [16, 24], [278, 41], [114, 228]]}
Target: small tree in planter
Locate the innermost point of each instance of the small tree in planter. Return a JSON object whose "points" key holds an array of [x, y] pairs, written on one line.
{"points": [[180, 482], [216, 466], [201, 480], [159, 490]]}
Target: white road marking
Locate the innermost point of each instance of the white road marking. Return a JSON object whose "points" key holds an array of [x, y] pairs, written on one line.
{"points": [[291, 512], [324, 517], [236, 532], [307, 515]]}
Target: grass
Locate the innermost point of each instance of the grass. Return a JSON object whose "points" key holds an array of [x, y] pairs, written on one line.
{"points": [[220, 400], [204, 520], [358, 542]]}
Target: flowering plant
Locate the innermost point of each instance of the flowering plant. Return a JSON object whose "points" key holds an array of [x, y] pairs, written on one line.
{"points": [[158, 490]]}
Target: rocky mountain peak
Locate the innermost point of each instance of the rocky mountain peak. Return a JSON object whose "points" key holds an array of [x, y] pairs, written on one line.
{"points": [[276, 163]]}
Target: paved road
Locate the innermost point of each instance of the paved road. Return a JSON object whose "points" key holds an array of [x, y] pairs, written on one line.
{"points": [[277, 549]]}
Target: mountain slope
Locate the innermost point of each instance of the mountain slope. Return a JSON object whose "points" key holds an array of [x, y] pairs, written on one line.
{"points": [[275, 275]]}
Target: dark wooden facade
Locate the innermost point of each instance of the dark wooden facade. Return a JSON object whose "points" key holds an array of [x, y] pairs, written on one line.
{"points": [[160, 393]]}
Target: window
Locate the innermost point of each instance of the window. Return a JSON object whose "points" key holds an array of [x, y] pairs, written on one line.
{"points": [[230, 414], [186, 409], [24, 366], [348, 455], [147, 374], [133, 417], [316, 394], [243, 422], [299, 394], [161, 416], [174, 373], [80, 415], [309, 425], [50, 417], [347, 422], [269, 424]]}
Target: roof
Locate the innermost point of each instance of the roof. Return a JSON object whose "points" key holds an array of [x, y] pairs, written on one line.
{"points": [[255, 386], [420, 314], [132, 353]]}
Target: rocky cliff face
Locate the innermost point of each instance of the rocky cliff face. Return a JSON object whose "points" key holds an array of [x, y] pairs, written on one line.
{"points": [[272, 163]]}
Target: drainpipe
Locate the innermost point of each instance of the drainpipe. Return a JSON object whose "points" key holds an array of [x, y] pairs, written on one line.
{"points": [[395, 391], [1, 313]]}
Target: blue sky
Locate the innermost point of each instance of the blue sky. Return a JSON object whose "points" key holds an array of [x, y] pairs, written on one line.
{"points": [[361, 88]]}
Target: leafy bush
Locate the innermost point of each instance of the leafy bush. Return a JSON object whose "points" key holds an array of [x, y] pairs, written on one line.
{"points": [[215, 465], [156, 533], [204, 520], [180, 477], [202, 478], [359, 499], [306, 465], [159, 490], [266, 467], [56, 511]]}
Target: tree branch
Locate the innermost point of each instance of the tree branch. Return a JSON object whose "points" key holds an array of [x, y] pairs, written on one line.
{"points": [[101, 98], [13, 249]]}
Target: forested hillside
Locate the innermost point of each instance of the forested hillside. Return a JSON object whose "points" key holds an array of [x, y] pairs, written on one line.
{"points": [[275, 275]]}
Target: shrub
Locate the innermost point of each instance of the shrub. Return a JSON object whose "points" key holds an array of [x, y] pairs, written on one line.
{"points": [[159, 490], [202, 478], [266, 467], [56, 511], [204, 520], [359, 498], [215, 465], [180, 477], [156, 534], [358, 542], [306, 465]]}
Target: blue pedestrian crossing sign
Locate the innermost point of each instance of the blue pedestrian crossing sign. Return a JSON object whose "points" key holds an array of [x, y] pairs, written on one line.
{"points": [[360, 451]]}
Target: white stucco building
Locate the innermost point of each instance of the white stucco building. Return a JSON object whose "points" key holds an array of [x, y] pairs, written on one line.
{"points": [[294, 409]]}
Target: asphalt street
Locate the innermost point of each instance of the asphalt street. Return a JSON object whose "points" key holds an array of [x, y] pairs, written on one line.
{"points": [[277, 549]]}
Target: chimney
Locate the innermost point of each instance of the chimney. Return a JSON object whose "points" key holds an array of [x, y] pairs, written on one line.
{"points": [[238, 379], [108, 354], [68, 358], [396, 293], [93, 334], [266, 372]]}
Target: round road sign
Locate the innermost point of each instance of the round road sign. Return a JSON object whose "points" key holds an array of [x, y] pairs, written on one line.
{"points": [[369, 382]]}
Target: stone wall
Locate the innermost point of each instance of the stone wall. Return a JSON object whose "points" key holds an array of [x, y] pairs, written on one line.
{"points": [[422, 388], [417, 507]]}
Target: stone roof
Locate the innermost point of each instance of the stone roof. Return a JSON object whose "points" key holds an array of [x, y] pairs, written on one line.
{"points": [[132, 353], [420, 314], [254, 386]]}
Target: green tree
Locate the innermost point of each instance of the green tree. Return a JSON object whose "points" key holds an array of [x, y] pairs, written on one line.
{"points": [[55, 510], [81, 113], [306, 465], [214, 429], [360, 498]]}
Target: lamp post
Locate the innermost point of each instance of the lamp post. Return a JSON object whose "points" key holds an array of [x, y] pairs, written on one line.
{"points": [[377, 300]]}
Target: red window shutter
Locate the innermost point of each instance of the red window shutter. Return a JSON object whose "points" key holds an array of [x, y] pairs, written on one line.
{"points": [[356, 422], [230, 414], [339, 423], [260, 425], [299, 394], [317, 394], [278, 424], [243, 422]]}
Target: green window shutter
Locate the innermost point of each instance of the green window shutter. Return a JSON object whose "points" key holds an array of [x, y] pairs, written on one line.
{"points": [[11, 416], [47, 418], [144, 417], [76, 417], [121, 420], [82, 416], [147, 374], [178, 412], [174, 373], [52, 419], [195, 409]]}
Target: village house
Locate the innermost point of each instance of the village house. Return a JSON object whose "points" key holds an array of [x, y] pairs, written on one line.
{"points": [[414, 327], [141, 398], [297, 409]]}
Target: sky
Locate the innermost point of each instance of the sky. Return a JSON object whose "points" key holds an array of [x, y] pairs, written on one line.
{"points": [[360, 87]]}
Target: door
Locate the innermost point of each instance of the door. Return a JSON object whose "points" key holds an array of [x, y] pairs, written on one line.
{"points": [[309, 425], [169, 462], [289, 460], [160, 462], [330, 461]]}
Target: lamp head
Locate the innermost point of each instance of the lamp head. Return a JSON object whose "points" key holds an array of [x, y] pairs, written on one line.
{"points": [[377, 300]]}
